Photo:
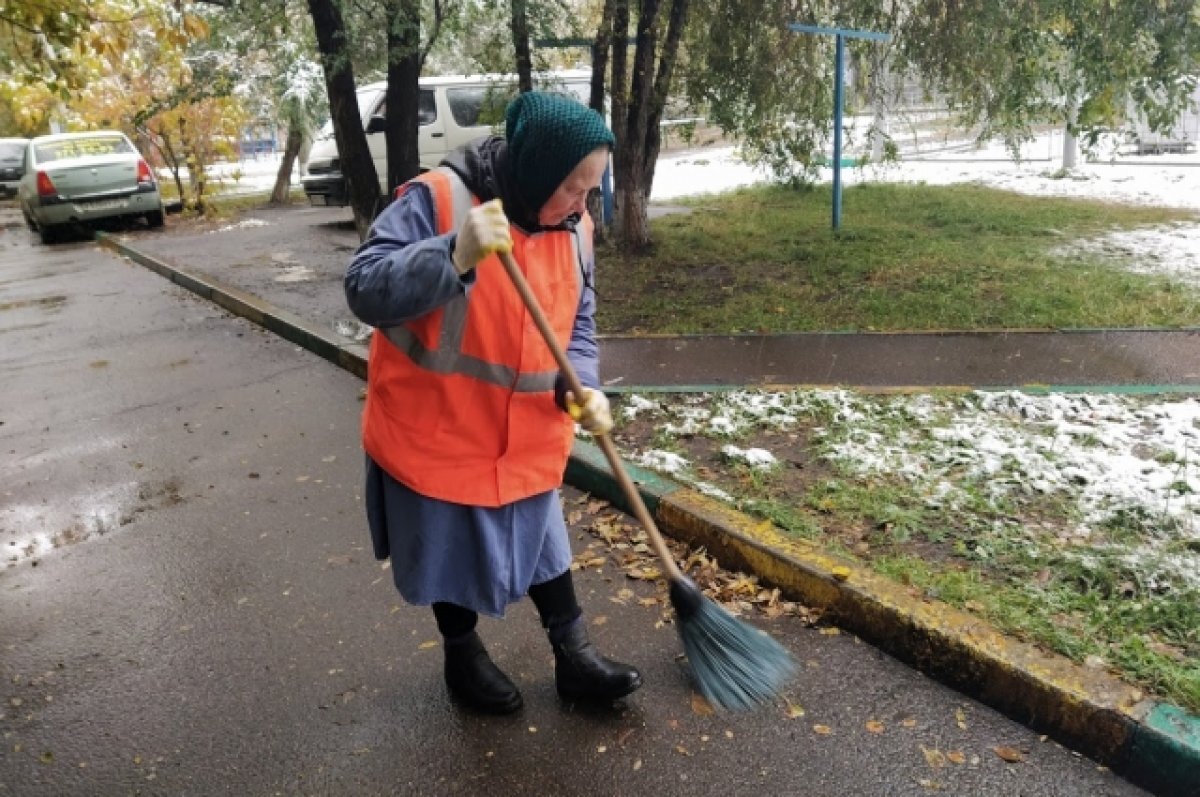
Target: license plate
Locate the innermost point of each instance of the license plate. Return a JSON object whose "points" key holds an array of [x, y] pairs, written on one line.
{"points": [[103, 204]]}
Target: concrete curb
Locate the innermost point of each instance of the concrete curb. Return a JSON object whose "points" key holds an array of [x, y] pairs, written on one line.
{"points": [[1155, 745]]}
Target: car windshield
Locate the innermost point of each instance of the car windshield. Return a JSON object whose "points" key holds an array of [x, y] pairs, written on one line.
{"points": [[11, 150], [82, 147]]}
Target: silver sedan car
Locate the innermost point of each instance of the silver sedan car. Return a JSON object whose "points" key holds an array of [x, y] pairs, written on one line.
{"points": [[75, 178]]}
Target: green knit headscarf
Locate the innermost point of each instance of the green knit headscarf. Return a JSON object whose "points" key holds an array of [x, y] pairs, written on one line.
{"points": [[548, 135]]}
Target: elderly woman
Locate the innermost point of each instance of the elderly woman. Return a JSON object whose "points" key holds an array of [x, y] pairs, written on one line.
{"points": [[467, 425]]}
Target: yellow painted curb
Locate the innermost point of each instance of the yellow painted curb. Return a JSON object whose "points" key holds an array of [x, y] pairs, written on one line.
{"points": [[1088, 709]]}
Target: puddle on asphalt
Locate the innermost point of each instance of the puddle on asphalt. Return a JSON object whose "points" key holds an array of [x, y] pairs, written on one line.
{"points": [[296, 274], [48, 303], [31, 531]]}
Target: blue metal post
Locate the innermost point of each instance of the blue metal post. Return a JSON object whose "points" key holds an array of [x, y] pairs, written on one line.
{"points": [[839, 67]]}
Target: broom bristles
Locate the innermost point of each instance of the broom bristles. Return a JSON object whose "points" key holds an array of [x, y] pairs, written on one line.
{"points": [[735, 666]]}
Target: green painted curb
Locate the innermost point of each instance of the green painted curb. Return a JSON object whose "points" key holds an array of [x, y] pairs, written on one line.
{"points": [[1164, 752], [1155, 745], [588, 470]]}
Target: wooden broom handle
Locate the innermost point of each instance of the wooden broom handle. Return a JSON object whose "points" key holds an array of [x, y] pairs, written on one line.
{"points": [[606, 444]]}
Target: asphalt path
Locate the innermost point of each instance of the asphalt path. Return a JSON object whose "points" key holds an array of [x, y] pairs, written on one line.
{"points": [[189, 605], [295, 257]]}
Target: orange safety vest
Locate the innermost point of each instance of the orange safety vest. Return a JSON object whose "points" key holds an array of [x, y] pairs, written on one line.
{"points": [[460, 402]]}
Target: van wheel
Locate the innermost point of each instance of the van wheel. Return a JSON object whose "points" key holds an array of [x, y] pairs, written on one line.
{"points": [[155, 219]]}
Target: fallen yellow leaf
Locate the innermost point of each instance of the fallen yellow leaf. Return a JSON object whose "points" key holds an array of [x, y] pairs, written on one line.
{"points": [[956, 757], [1009, 754], [794, 711], [933, 757], [874, 726], [824, 730], [841, 573], [427, 645], [700, 705]]}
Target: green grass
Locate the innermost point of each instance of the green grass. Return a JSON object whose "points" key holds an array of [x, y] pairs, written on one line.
{"points": [[1074, 615], [908, 257]]}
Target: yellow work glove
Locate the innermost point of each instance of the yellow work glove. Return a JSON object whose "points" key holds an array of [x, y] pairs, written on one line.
{"points": [[484, 231], [593, 413]]}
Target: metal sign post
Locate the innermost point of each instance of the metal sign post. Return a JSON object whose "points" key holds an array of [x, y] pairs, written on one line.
{"points": [[839, 68]]}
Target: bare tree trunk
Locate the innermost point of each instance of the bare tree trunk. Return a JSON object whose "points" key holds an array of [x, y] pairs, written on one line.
{"points": [[632, 220], [357, 166], [403, 93], [600, 52], [281, 193], [1070, 146], [520, 35], [638, 126], [662, 86], [619, 96]]}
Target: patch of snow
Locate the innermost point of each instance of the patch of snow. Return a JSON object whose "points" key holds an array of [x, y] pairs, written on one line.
{"points": [[1170, 249], [635, 404], [758, 458], [664, 461]]}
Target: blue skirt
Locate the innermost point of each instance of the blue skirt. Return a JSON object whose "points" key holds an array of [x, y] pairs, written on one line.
{"points": [[481, 558]]}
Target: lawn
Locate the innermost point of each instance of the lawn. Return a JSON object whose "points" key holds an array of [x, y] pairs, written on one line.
{"points": [[908, 257]]}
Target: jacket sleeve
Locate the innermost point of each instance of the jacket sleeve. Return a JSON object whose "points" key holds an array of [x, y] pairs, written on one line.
{"points": [[582, 350], [403, 270]]}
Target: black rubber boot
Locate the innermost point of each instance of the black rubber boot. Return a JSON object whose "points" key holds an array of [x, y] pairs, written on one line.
{"points": [[474, 679], [582, 674]]}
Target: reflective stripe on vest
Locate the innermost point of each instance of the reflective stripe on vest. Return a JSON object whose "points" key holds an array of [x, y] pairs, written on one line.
{"points": [[452, 201]]}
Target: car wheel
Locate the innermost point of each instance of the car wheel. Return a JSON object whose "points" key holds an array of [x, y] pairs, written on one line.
{"points": [[49, 234], [154, 218]]}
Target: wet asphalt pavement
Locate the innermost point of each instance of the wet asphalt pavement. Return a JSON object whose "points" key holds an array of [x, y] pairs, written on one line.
{"points": [[188, 602], [295, 258]]}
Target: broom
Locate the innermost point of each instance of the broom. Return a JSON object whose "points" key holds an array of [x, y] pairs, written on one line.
{"points": [[734, 665]]}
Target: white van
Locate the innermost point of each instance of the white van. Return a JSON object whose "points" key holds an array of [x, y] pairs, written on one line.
{"points": [[451, 111]]}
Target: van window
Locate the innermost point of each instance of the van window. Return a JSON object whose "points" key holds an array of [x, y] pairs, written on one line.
{"points": [[426, 108], [478, 105]]}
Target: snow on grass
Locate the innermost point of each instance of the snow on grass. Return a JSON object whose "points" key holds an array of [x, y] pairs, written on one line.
{"points": [[1127, 468], [663, 461], [1172, 250]]}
